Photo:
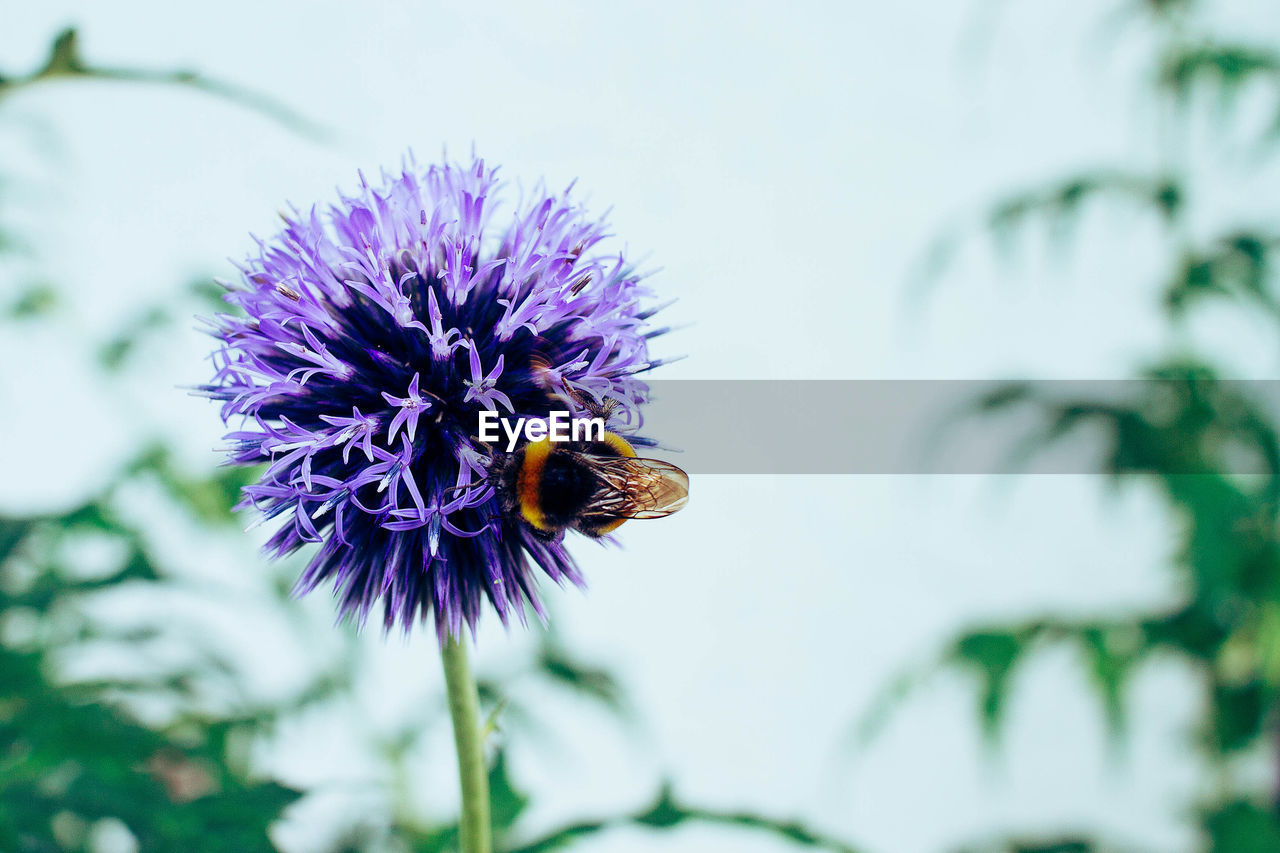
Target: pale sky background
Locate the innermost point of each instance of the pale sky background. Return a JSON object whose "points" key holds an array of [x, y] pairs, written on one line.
{"points": [[786, 166]]}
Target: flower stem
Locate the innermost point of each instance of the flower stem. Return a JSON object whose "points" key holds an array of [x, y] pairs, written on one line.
{"points": [[473, 827]]}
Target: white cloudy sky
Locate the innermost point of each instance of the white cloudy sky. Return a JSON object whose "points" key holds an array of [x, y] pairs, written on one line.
{"points": [[786, 166]]}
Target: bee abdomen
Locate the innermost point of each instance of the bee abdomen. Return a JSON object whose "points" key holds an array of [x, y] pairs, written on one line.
{"points": [[566, 486], [552, 486]]}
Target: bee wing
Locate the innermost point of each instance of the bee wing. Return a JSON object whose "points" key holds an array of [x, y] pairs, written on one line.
{"points": [[638, 488]]}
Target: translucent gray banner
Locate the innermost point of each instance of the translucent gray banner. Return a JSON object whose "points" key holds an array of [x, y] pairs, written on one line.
{"points": [[962, 427]]}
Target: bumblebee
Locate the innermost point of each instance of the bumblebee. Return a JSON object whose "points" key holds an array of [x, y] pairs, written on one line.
{"points": [[591, 486]]}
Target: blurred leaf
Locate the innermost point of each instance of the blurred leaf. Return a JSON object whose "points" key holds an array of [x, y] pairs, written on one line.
{"points": [[1172, 9], [1241, 826], [506, 804], [1225, 68], [12, 533], [592, 682], [1240, 712], [36, 301], [992, 655], [1113, 652], [210, 498], [113, 354], [208, 293], [1238, 266], [1191, 630], [881, 707]]}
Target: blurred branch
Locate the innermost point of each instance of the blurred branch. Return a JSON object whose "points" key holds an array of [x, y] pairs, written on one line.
{"points": [[1065, 844], [1060, 204], [1112, 651], [65, 61], [668, 813], [1182, 420], [1231, 65]]}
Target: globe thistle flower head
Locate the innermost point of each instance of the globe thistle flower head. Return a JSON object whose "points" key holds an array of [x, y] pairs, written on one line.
{"points": [[369, 338]]}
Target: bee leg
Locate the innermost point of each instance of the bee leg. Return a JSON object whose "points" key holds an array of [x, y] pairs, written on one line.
{"points": [[545, 535]]}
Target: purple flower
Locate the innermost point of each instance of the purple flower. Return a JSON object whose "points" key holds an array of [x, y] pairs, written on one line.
{"points": [[371, 337]]}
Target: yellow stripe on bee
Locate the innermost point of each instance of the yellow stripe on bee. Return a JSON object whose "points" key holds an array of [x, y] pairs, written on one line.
{"points": [[619, 444], [530, 476], [610, 527]]}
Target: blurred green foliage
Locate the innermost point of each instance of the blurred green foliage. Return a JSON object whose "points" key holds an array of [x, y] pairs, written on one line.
{"points": [[68, 758], [1183, 436]]}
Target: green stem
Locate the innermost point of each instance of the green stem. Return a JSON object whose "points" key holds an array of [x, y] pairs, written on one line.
{"points": [[473, 827]]}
